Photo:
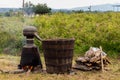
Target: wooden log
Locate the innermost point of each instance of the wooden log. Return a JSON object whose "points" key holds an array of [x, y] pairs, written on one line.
{"points": [[82, 67], [88, 64], [89, 53], [96, 67], [98, 62], [107, 60], [81, 59], [102, 65], [94, 59]]}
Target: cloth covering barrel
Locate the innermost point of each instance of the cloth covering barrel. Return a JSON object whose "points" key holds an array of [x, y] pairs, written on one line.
{"points": [[58, 55]]}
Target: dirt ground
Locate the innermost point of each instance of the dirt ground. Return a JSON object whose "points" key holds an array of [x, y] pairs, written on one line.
{"points": [[9, 63]]}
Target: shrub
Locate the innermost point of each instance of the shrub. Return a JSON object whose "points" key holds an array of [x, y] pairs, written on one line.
{"points": [[89, 29]]}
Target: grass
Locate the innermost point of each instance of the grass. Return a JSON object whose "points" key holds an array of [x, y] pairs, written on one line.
{"points": [[8, 62], [12, 38]]}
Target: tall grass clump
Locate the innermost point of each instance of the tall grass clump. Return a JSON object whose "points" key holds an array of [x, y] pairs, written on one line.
{"points": [[11, 36], [88, 29]]}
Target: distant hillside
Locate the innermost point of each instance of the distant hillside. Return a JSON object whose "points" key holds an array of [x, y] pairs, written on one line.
{"points": [[103, 7], [2, 10], [61, 10]]}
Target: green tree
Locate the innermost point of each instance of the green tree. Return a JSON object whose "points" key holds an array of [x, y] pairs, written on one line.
{"points": [[41, 9]]}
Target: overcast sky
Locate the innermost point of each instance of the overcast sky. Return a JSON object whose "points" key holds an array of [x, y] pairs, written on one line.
{"points": [[57, 3]]}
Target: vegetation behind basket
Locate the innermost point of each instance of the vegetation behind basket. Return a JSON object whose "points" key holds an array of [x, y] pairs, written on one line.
{"points": [[88, 29]]}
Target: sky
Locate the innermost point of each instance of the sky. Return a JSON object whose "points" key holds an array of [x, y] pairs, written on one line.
{"points": [[56, 4]]}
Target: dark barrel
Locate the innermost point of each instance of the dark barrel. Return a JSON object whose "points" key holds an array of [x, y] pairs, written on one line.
{"points": [[58, 55]]}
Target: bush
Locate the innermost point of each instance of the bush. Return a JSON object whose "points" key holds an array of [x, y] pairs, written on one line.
{"points": [[10, 35], [89, 29]]}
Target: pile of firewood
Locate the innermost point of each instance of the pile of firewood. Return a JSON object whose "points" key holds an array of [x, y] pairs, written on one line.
{"points": [[94, 59]]}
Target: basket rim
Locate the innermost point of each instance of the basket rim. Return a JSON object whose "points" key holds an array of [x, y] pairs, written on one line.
{"points": [[59, 39]]}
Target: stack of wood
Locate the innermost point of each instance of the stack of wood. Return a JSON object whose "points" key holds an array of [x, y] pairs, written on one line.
{"points": [[94, 59]]}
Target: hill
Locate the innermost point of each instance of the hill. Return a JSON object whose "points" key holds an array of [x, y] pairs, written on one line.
{"points": [[3, 10], [102, 7]]}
